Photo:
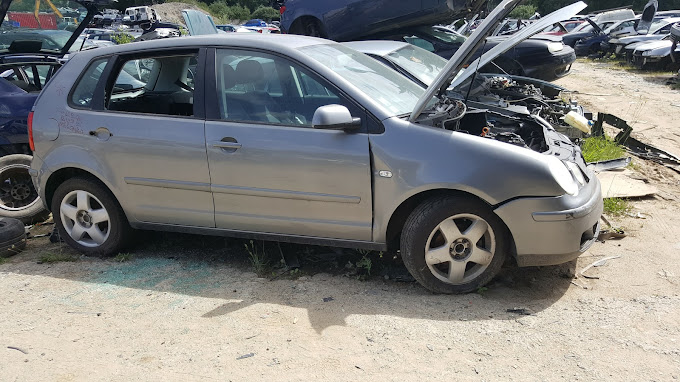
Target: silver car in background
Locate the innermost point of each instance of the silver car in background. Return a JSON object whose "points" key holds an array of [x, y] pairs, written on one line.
{"points": [[300, 139]]}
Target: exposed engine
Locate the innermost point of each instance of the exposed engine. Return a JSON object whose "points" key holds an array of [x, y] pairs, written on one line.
{"points": [[520, 113]]}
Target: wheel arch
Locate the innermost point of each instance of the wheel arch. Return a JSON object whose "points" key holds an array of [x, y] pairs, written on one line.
{"points": [[65, 173], [297, 26], [398, 218]]}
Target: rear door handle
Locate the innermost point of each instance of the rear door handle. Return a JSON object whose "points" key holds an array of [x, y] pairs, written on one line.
{"points": [[227, 145]]}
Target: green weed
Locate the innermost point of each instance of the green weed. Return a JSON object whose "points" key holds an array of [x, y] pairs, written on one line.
{"points": [[616, 206], [123, 257], [258, 258], [50, 258], [600, 148]]}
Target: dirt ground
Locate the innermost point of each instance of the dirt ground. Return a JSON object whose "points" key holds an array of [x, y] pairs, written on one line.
{"points": [[191, 308]]}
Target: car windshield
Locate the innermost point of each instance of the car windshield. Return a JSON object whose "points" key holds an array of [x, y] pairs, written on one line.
{"points": [[393, 92], [448, 37], [423, 65], [53, 26], [656, 25]]}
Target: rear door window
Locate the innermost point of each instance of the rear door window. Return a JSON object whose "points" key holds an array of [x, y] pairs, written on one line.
{"points": [[154, 85]]}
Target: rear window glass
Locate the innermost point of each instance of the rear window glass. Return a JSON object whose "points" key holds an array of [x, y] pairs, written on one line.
{"points": [[84, 91]]}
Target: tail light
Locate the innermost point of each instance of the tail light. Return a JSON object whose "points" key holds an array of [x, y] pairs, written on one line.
{"points": [[282, 9], [259, 31], [30, 131]]}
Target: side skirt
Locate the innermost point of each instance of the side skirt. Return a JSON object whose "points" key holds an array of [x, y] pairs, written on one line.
{"points": [[356, 244]]}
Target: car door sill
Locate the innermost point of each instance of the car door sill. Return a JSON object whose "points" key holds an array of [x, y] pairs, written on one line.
{"points": [[343, 243]]}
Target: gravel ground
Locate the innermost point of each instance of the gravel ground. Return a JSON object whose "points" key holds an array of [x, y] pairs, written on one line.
{"points": [[190, 308]]}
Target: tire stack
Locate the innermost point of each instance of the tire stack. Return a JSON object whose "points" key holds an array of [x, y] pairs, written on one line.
{"points": [[12, 237]]}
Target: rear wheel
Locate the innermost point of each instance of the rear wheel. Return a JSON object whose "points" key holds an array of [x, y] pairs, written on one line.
{"points": [[18, 197], [89, 218], [454, 244]]}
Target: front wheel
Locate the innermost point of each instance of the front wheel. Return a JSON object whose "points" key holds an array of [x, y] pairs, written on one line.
{"points": [[454, 244], [89, 218]]}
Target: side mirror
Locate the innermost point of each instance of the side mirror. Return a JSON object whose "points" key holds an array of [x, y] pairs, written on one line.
{"points": [[335, 117]]}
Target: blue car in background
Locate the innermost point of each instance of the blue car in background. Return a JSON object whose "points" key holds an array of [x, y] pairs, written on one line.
{"points": [[255, 23], [345, 20]]}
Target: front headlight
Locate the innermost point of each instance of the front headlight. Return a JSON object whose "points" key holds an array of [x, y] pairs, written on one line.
{"points": [[555, 47], [562, 176]]}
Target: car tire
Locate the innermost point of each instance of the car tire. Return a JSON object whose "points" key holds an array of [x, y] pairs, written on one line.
{"points": [[313, 28], [18, 197], [12, 237], [467, 244], [89, 217]]}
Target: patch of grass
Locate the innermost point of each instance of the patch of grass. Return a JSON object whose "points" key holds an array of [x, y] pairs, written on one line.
{"points": [[258, 258], [123, 257], [616, 206], [600, 148], [50, 258], [2, 260]]}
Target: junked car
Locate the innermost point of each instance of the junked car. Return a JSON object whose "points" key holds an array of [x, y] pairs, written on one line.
{"points": [[658, 30], [305, 140], [347, 20]]}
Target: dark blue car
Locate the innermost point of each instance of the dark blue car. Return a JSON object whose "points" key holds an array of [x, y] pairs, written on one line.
{"points": [[345, 20]]}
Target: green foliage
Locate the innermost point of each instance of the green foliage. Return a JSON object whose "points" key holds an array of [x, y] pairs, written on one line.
{"points": [[523, 12], [616, 206], [600, 148], [265, 13], [123, 38]]}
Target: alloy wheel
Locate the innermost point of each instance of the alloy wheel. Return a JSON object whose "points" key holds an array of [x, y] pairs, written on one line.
{"points": [[460, 248]]}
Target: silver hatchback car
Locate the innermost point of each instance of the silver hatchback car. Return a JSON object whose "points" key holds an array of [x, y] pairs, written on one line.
{"points": [[299, 139]]}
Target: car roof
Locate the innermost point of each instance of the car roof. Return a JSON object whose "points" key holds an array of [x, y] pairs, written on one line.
{"points": [[376, 47], [272, 42]]}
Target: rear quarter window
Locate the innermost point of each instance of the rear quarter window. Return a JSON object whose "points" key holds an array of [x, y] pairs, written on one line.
{"points": [[83, 92]]}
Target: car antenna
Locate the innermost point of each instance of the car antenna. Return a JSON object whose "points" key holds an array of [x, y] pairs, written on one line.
{"points": [[474, 76]]}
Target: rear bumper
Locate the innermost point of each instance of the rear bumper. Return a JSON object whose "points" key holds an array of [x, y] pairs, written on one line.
{"points": [[549, 231], [552, 68]]}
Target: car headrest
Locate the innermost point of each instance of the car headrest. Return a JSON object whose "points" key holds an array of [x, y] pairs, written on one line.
{"points": [[228, 77], [249, 72], [25, 46]]}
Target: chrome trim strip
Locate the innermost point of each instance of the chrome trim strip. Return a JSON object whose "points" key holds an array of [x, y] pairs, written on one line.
{"points": [[285, 194], [162, 183]]}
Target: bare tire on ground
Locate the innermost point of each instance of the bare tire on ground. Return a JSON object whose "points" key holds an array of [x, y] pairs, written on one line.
{"points": [[454, 244], [18, 197], [12, 237], [89, 217]]}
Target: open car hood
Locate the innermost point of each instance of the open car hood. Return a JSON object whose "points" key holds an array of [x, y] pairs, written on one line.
{"points": [[533, 29], [198, 23], [647, 17], [467, 50], [92, 7]]}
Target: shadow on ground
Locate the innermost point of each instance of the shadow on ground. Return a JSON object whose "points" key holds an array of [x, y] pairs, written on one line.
{"points": [[329, 285]]}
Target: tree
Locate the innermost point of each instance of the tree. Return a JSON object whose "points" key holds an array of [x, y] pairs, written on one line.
{"points": [[523, 12], [265, 13]]}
